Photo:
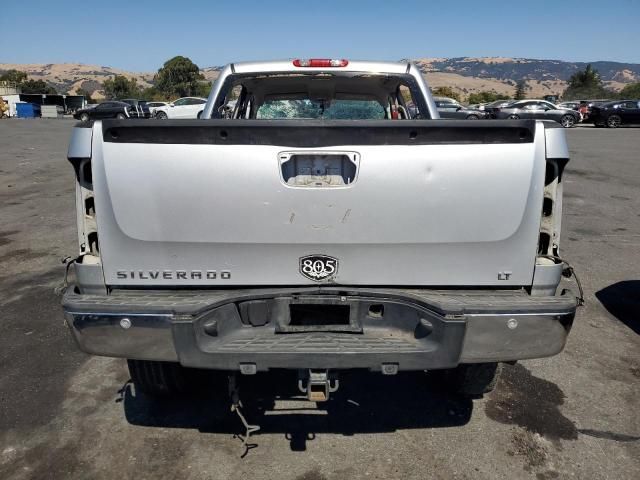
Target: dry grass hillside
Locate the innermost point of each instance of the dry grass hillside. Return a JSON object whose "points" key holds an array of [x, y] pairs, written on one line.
{"points": [[69, 77], [467, 85], [500, 74]]}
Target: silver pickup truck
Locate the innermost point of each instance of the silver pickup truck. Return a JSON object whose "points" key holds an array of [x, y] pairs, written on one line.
{"points": [[319, 217]]}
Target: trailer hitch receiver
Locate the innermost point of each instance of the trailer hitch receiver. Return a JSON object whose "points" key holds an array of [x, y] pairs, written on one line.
{"points": [[317, 385]]}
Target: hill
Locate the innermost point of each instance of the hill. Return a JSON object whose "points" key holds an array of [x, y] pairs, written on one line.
{"points": [[542, 77], [69, 77], [464, 74]]}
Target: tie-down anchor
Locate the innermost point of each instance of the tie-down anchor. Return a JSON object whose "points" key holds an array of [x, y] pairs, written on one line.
{"points": [[317, 384]]}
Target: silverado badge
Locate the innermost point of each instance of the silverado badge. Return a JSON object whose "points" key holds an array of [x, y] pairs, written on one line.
{"points": [[318, 267]]}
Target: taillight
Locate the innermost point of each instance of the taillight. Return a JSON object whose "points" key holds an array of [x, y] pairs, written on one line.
{"points": [[320, 62]]}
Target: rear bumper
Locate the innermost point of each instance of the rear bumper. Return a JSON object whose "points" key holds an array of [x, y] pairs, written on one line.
{"points": [[411, 329]]}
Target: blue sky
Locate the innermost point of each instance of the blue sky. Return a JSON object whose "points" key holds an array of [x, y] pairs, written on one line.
{"points": [[139, 35]]}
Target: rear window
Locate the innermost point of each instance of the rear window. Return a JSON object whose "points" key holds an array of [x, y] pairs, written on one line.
{"points": [[336, 109], [321, 95]]}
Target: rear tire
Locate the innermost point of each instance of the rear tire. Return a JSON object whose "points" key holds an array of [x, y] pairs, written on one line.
{"points": [[199, 115], [158, 379], [161, 116], [567, 121], [121, 116], [514, 117], [614, 121], [471, 379], [84, 117], [473, 117]]}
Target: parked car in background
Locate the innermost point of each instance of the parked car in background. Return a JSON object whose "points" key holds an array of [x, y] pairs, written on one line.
{"points": [[450, 108], [616, 113], [539, 110], [110, 109], [574, 105], [140, 107], [492, 108], [153, 106], [594, 103], [478, 106], [579, 106], [597, 102], [187, 107]]}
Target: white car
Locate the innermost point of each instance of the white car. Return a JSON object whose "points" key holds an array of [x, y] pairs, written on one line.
{"points": [[186, 107], [153, 106]]}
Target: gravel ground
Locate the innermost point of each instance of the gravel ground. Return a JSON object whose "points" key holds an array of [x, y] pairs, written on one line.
{"points": [[64, 414]]}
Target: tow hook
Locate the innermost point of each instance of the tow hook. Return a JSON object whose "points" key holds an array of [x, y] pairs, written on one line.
{"points": [[317, 385]]}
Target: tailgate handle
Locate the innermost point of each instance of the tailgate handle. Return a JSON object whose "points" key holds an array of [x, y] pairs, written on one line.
{"points": [[319, 169]]}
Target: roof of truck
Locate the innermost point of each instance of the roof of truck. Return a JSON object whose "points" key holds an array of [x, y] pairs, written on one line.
{"points": [[352, 66]]}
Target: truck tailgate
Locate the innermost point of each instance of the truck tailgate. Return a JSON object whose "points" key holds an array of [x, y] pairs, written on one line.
{"points": [[236, 203]]}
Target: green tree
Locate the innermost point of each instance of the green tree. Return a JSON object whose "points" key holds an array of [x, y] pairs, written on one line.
{"points": [[86, 94], [486, 97], [37, 86], [121, 87], [446, 92], [203, 89], [521, 90], [586, 84], [27, 86], [13, 76], [630, 91], [179, 77], [152, 94]]}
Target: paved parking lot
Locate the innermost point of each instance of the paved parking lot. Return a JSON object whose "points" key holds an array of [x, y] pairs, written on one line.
{"points": [[67, 415]]}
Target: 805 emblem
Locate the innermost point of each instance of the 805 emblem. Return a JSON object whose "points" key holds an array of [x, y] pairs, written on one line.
{"points": [[318, 267]]}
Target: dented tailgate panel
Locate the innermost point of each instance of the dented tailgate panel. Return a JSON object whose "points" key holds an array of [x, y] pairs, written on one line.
{"points": [[428, 214]]}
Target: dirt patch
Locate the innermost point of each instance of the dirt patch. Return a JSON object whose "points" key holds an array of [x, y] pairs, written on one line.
{"points": [[534, 450], [47, 461], [22, 254], [548, 475], [572, 195], [33, 323], [3, 237], [587, 232], [532, 403], [590, 175], [525, 445], [313, 474]]}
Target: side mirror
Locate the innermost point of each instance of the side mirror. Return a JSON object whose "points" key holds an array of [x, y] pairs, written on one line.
{"points": [[458, 108], [171, 105]]}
